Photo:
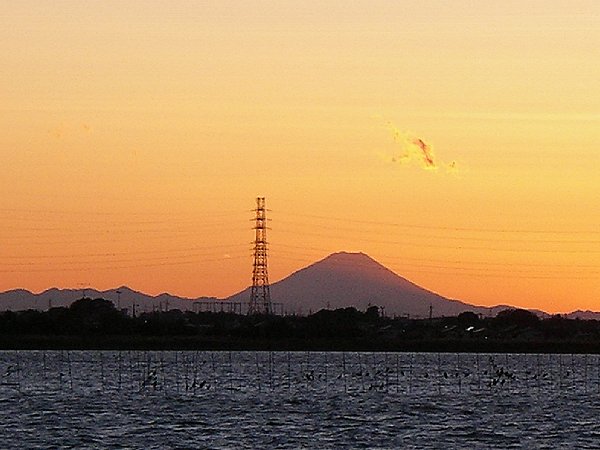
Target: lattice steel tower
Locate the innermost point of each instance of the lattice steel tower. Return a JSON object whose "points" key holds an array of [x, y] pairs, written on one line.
{"points": [[260, 296]]}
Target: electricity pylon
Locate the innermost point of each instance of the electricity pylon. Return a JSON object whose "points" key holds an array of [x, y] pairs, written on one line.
{"points": [[260, 296]]}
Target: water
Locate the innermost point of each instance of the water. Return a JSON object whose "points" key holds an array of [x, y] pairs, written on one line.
{"points": [[297, 400]]}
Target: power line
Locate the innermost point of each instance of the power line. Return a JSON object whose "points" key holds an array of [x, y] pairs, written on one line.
{"points": [[457, 238], [459, 274], [170, 257], [113, 213], [172, 215], [119, 261], [77, 229], [454, 261], [437, 227], [450, 267], [119, 222], [414, 244], [113, 267], [143, 252], [105, 238]]}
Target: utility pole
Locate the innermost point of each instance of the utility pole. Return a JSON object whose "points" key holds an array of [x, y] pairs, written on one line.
{"points": [[119, 300], [260, 295]]}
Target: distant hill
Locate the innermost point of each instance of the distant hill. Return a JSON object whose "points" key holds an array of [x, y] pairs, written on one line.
{"points": [[355, 279], [583, 315], [20, 299]]}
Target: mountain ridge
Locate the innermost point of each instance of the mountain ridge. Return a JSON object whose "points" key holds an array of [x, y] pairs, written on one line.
{"points": [[22, 299], [339, 280]]}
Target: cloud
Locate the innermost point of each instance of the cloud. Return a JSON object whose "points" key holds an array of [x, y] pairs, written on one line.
{"points": [[412, 149]]}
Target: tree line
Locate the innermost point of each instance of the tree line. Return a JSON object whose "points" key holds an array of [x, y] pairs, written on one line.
{"points": [[97, 319]]}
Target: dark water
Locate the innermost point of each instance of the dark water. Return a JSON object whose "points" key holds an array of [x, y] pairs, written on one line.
{"points": [[298, 400]]}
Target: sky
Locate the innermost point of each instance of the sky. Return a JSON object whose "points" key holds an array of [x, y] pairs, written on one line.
{"points": [[457, 143]]}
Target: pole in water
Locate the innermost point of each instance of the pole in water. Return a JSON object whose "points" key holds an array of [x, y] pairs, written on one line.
{"points": [[326, 373], [70, 371], [387, 373], [397, 373], [270, 370], [439, 373], [44, 364], [344, 372], [289, 369], [410, 374], [18, 371], [230, 372], [585, 371], [478, 373], [120, 362], [258, 373]]}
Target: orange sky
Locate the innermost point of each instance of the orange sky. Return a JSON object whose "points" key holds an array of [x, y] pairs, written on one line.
{"points": [[136, 135]]}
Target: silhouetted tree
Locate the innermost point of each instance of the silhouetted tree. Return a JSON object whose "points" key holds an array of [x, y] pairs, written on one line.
{"points": [[372, 313], [519, 317], [95, 316]]}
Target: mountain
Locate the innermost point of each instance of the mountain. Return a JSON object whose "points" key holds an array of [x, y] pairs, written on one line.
{"points": [[583, 315], [20, 299], [338, 281], [354, 279]]}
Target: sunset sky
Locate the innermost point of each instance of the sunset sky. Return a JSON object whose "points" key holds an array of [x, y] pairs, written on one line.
{"points": [[137, 134]]}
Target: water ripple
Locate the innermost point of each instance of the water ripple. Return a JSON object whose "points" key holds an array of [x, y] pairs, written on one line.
{"points": [[299, 400]]}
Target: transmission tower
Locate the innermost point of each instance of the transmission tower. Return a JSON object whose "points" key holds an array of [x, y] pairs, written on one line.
{"points": [[260, 296]]}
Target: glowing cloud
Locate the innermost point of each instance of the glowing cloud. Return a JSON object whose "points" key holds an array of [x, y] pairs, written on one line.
{"points": [[414, 149]]}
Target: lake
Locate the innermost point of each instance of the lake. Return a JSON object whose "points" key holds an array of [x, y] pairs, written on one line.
{"points": [[189, 399]]}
